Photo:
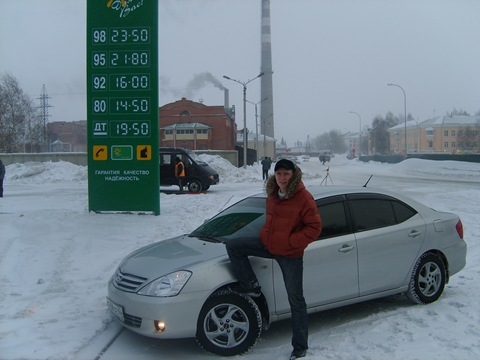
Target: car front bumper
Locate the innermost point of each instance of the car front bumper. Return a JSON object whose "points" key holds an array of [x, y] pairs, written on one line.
{"points": [[178, 313]]}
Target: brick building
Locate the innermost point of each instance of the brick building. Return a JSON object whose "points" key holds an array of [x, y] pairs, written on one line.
{"points": [[67, 136], [196, 126]]}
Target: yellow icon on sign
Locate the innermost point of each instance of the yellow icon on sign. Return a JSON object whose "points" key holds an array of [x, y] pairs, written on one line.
{"points": [[144, 152], [100, 152]]}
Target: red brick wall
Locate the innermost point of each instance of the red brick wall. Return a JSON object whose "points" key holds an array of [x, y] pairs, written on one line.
{"points": [[222, 135]]}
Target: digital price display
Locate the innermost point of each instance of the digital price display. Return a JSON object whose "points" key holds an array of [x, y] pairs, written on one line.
{"points": [[122, 105], [130, 128]]}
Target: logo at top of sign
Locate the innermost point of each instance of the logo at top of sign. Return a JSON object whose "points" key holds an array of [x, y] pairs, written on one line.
{"points": [[123, 2], [124, 6]]}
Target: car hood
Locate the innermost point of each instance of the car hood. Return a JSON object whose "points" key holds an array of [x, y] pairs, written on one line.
{"points": [[178, 253]]}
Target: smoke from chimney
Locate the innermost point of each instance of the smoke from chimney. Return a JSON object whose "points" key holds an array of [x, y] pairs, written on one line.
{"points": [[198, 82]]}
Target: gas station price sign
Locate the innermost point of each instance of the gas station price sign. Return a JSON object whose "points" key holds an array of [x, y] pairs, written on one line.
{"points": [[122, 105]]}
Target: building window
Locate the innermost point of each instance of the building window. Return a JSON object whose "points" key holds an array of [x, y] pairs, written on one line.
{"points": [[454, 145], [460, 132], [445, 133], [453, 132], [429, 132], [445, 144], [168, 132]]}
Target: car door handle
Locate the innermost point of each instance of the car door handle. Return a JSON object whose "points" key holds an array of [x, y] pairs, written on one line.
{"points": [[346, 248], [414, 233]]}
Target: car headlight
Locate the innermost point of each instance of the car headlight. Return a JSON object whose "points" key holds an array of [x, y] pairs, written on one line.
{"points": [[168, 285]]}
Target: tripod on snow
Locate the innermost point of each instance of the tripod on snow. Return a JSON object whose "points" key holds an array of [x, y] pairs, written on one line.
{"points": [[325, 179]]}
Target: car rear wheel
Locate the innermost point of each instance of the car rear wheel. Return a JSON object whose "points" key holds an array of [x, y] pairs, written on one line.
{"points": [[195, 186], [229, 324], [428, 279]]}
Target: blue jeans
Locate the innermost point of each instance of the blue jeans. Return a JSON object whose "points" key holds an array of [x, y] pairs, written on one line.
{"points": [[292, 269]]}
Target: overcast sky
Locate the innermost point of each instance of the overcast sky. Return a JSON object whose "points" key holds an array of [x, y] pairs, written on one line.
{"points": [[330, 57]]}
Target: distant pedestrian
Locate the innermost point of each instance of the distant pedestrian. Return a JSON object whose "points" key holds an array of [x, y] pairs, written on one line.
{"points": [[266, 164], [2, 176], [179, 172]]}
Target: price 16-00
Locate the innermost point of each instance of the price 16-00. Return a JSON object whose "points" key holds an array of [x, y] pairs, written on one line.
{"points": [[129, 82]]}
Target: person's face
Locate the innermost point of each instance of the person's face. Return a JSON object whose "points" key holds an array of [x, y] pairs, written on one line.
{"points": [[283, 176]]}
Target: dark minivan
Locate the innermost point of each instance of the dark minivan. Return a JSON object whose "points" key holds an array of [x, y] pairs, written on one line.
{"points": [[198, 174]]}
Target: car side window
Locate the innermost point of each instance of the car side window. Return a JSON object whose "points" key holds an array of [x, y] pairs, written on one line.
{"points": [[334, 220], [403, 212], [371, 214]]}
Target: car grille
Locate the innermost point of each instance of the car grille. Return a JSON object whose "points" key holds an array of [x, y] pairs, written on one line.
{"points": [[128, 282], [133, 321]]}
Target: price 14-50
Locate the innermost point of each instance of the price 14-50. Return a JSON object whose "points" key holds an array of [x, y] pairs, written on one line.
{"points": [[129, 105]]}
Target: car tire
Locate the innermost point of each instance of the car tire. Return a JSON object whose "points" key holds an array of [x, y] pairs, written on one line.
{"points": [[428, 279], [195, 186], [229, 324]]}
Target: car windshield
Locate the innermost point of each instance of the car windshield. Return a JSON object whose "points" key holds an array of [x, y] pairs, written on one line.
{"points": [[197, 159], [244, 219]]}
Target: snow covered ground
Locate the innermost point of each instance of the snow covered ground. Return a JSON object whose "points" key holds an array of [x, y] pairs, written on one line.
{"points": [[56, 259]]}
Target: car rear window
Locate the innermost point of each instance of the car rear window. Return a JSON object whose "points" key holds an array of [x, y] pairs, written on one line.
{"points": [[373, 211]]}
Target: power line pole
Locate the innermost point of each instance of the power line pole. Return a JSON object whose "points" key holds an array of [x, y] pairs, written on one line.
{"points": [[44, 113]]}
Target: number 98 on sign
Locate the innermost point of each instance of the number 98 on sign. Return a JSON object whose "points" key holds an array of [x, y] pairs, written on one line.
{"points": [[118, 36]]}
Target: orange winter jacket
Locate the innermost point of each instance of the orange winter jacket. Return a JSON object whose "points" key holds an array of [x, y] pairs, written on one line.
{"points": [[293, 222]]}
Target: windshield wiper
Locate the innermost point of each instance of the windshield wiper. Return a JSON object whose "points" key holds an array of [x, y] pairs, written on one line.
{"points": [[207, 238]]}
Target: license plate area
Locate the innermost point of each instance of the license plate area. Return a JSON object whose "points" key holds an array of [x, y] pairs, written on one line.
{"points": [[116, 310]]}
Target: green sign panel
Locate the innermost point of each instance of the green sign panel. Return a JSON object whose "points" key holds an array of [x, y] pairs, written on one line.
{"points": [[122, 105]]}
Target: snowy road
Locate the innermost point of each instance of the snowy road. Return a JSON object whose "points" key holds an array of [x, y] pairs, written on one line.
{"points": [[56, 258]]}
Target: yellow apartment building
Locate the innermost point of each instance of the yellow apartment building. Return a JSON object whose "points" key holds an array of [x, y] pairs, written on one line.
{"points": [[441, 134]]}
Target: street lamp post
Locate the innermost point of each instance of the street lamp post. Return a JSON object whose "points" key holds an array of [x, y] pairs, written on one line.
{"points": [[405, 110], [244, 84], [360, 140], [256, 123]]}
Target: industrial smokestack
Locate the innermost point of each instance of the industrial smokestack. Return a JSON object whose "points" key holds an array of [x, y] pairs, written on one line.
{"points": [[227, 98], [266, 107]]}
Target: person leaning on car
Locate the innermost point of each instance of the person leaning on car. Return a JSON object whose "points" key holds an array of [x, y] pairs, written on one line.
{"points": [[292, 222]]}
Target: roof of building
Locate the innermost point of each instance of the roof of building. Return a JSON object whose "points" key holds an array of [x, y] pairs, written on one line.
{"points": [[187, 125], [462, 120], [251, 137]]}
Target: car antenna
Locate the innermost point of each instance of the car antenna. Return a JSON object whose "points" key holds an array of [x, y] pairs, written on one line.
{"points": [[368, 181]]}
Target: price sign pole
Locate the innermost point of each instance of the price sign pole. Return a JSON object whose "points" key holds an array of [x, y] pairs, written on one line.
{"points": [[122, 106]]}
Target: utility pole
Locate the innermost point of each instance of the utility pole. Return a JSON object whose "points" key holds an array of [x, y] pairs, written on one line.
{"points": [[44, 114]]}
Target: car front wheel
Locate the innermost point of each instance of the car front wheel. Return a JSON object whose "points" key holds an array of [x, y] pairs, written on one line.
{"points": [[195, 186], [428, 279], [229, 324]]}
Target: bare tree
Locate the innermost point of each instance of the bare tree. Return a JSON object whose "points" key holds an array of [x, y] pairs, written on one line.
{"points": [[380, 137], [17, 116]]}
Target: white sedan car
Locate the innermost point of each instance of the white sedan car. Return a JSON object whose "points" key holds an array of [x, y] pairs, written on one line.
{"points": [[374, 243]]}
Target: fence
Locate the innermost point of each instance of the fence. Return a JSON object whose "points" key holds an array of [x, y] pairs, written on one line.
{"points": [[80, 158]]}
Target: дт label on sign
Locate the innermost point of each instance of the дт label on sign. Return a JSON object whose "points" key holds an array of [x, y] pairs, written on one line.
{"points": [[122, 105]]}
